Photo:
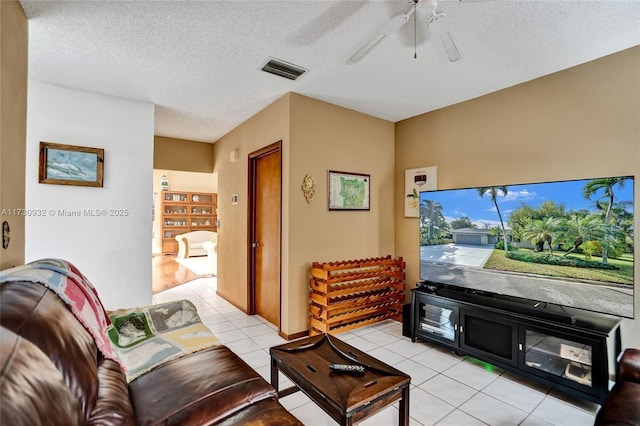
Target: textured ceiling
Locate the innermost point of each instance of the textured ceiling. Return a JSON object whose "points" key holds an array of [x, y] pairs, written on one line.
{"points": [[199, 61]]}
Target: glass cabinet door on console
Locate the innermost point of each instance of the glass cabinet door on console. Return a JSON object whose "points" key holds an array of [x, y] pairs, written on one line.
{"points": [[561, 357], [492, 336], [435, 320]]}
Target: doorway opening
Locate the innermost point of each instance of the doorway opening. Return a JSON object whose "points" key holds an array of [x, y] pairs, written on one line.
{"points": [[183, 202]]}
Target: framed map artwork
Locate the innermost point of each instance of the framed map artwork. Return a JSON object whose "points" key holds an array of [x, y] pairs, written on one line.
{"points": [[349, 191]]}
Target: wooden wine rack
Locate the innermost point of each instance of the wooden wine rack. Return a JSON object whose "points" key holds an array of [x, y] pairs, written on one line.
{"points": [[349, 294]]}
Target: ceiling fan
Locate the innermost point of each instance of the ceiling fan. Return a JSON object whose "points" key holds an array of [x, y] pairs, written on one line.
{"points": [[437, 22]]}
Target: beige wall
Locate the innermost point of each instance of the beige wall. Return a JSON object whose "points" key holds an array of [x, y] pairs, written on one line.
{"points": [[579, 123], [181, 154], [266, 127], [178, 181], [327, 137], [14, 36], [316, 137]]}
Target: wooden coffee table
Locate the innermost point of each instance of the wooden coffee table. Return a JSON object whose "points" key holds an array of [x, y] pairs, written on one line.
{"points": [[347, 398]]}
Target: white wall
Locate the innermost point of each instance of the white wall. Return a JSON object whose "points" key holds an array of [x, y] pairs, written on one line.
{"points": [[114, 252]]}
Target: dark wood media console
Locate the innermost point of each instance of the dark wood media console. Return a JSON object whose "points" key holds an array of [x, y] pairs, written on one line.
{"points": [[568, 349]]}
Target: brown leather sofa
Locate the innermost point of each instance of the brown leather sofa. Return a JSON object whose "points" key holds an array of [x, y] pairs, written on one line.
{"points": [[622, 405], [51, 373]]}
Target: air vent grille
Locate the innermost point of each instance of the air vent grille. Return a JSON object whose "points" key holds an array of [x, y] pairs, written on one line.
{"points": [[283, 69]]}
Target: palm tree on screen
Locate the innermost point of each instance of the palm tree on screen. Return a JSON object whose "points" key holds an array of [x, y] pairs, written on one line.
{"points": [[578, 230], [432, 214], [494, 191], [542, 231], [606, 186]]}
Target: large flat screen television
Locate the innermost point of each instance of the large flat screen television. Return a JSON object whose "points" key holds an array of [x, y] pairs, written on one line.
{"points": [[568, 243]]}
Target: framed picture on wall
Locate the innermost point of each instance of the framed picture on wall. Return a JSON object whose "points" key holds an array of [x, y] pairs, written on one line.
{"points": [[349, 191], [70, 165], [416, 180]]}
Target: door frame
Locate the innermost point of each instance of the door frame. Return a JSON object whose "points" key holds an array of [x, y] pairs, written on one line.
{"points": [[251, 229]]}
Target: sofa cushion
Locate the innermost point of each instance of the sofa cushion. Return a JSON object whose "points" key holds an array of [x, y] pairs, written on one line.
{"points": [[32, 390], [202, 388], [622, 406], [629, 365], [38, 315]]}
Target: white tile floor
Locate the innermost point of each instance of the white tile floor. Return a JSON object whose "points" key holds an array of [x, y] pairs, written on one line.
{"points": [[446, 389]]}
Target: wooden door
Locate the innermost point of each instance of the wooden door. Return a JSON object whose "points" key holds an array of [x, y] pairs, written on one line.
{"points": [[264, 233]]}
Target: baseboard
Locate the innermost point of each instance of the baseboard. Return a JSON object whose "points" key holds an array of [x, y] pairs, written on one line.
{"points": [[305, 333], [294, 336]]}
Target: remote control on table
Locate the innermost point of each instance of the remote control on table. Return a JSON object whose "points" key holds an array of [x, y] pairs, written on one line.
{"points": [[347, 368]]}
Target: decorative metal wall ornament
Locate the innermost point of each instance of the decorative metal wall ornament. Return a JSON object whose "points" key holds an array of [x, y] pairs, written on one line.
{"points": [[308, 187]]}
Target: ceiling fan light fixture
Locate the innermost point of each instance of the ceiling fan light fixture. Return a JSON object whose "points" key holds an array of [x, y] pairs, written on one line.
{"points": [[365, 49]]}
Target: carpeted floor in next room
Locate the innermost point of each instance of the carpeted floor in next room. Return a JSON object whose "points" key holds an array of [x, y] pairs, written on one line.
{"points": [[446, 389]]}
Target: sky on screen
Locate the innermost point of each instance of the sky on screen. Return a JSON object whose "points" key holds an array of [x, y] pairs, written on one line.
{"points": [[457, 203]]}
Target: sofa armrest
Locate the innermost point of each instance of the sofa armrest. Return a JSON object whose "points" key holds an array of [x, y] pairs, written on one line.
{"points": [[113, 406], [629, 366], [183, 246]]}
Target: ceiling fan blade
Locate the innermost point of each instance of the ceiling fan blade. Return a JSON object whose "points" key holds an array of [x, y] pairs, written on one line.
{"points": [[441, 27], [392, 26], [364, 50], [450, 46]]}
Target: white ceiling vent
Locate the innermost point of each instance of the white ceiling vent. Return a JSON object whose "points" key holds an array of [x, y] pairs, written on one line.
{"points": [[283, 69]]}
